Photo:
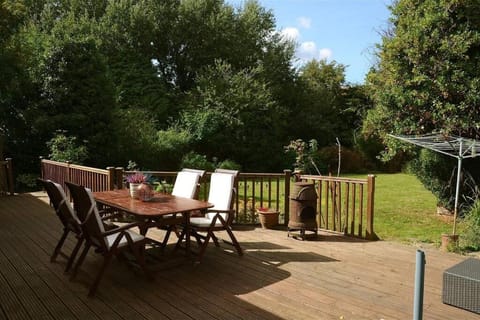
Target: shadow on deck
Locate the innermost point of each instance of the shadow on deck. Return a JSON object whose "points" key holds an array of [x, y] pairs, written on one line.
{"points": [[277, 278]]}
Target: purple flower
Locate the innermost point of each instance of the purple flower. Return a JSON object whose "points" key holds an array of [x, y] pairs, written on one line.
{"points": [[137, 177]]}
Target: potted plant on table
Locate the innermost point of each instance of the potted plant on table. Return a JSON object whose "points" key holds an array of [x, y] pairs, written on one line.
{"points": [[134, 181]]}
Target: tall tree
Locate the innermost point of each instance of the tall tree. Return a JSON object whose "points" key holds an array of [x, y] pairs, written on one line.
{"points": [[11, 15], [428, 74], [232, 115], [74, 91], [321, 115]]}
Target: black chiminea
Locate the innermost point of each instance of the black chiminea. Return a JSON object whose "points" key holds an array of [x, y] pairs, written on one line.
{"points": [[303, 212]]}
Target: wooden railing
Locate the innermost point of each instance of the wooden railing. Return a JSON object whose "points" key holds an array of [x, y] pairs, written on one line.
{"points": [[93, 178], [344, 205], [7, 184]]}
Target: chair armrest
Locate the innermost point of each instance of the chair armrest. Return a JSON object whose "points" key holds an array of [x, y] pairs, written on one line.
{"points": [[219, 211], [122, 228]]}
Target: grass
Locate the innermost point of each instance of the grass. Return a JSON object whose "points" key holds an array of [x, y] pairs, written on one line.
{"points": [[405, 211]]}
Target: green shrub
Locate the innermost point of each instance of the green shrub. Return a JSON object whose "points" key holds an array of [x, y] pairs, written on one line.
{"points": [[171, 145], [26, 182], [197, 161], [470, 239], [351, 161], [306, 155], [229, 164], [65, 148], [436, 172]]}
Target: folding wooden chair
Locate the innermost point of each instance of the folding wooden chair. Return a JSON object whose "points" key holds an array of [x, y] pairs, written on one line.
{"points": [[219, 218], [107, 242], [187, 184], [67, 217]]}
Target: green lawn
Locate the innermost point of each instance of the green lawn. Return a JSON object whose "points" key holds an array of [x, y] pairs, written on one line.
{"points": [[405, 211]]}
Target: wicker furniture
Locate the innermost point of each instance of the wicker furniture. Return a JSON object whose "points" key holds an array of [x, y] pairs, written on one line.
{"points": [[461, 285]]}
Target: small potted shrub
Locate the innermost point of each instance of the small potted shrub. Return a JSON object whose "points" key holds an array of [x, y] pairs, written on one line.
{"points": [[134, 181]]}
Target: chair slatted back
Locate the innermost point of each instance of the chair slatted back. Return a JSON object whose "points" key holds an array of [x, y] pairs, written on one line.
{"points": [[87, 211]]}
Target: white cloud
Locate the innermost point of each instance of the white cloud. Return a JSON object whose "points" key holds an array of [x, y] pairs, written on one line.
{"points": [[325, 53], [308, 50], [305, 22], [290, 33]]}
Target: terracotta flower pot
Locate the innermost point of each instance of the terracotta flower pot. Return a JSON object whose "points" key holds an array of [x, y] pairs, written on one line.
{"points": [[268, 219]]}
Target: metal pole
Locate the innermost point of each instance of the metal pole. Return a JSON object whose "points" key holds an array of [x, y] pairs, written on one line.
{"points": [[457, 189], [419, 282]]}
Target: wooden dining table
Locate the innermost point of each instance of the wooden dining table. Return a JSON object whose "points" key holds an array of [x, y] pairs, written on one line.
{"points": [[159, 210]]}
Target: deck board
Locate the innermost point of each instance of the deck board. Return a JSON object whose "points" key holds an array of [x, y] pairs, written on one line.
{"points": [[277, 278]]}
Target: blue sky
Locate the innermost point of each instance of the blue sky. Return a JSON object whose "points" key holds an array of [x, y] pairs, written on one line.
{"points": [[342, 30]]}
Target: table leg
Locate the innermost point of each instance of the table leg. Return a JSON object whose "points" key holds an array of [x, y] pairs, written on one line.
{"points": [[186, 215]]}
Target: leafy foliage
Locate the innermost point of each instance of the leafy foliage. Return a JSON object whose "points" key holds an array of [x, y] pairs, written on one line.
{"points": [[229, 164], [65, 148], [234, 110], [305, 154], [435, 172], [152, 81], [470, 238], [197, 161], [427, 78]]}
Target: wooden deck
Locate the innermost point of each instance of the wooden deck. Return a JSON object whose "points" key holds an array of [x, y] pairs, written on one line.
{"points": [[277, 278]]}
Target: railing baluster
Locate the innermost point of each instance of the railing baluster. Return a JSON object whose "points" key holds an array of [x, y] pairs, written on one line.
{"points": [[245, 198], [319, 204], [327, 197], [352, 226], [261, 192], [252, 208], [346, 206], [360, 218]]}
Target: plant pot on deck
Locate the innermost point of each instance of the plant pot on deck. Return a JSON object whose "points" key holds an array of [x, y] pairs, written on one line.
{"points": [[268, 218]]}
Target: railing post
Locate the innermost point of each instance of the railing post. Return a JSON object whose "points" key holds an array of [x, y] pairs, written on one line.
{"points": [[119, 177], [111, 178], [11, 183], [68, 175], [370, 207], [286, 204], [42, 171]]}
